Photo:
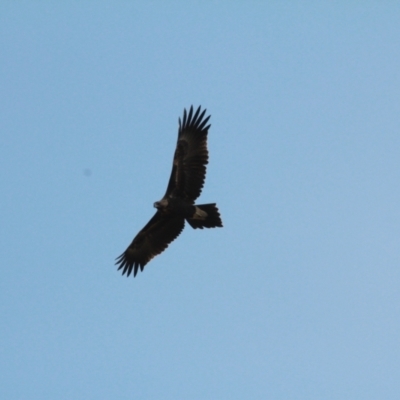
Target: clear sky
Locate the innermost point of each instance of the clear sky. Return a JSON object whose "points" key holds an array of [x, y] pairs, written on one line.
{"points": [[297, 297]]}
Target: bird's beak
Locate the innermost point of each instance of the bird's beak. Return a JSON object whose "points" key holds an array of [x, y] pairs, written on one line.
{"points": [[156, 204]]}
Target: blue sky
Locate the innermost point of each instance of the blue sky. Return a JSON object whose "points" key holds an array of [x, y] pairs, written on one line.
{"points": [[297, 297]]}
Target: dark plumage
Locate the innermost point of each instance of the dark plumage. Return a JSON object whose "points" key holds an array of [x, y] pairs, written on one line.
{"points": [[177, 205]]}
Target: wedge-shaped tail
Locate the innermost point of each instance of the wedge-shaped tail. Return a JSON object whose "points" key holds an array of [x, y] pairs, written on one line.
{"points": [[207, 217]]}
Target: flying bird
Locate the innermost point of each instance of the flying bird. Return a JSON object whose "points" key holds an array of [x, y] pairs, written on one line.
{"points": [[177, 205]]}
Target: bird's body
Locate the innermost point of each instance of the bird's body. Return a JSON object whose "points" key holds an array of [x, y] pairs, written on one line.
{"points": [[177, 205]]}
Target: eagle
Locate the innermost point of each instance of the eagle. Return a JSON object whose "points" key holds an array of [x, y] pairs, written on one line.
{"points": [[177, 205]]}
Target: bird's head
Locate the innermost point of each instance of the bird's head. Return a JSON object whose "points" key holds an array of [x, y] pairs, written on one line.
{"points": [[161, 204]]}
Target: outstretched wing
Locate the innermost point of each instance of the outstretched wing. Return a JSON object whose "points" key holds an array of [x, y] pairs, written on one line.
{"points": [[190, 158], [153, 239]]}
